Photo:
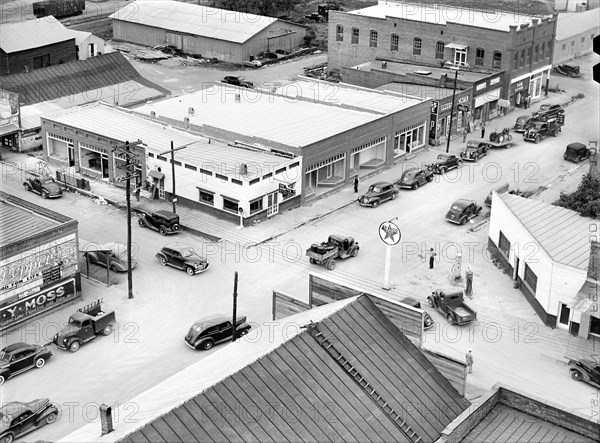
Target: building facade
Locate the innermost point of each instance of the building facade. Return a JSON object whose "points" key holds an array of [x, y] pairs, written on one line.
{"points": [[575, 33], [549, 262], [418, 33], [39, 268], [339, 130], [229, 36]]}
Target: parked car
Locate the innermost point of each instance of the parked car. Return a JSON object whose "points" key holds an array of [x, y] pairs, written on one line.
{"points": [[462, 211], [585, 370], [45, 186], [182, 256], [414, 177], [20, 357], [427, 320], [113, 255], [445, 162], [18, 419], [164, 222], [336, 246], [209, 331], [522, 123], [451, 305], [576, 152], [550, 107], [568, 70], [475, 150], [378, 193], [237, 80]]}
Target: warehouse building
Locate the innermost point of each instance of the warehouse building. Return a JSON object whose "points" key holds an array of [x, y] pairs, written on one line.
{"points": [[229, 36], [575, 33], [229, 181], [38, 261], [339, 130]]}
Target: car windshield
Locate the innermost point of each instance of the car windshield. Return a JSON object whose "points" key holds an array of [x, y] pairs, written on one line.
{"points": [[375, 189], [48, 180], [442, 157], [4, 356], [187, 252], [74, 322], [538, 125], [456, 208], [409, 175]]}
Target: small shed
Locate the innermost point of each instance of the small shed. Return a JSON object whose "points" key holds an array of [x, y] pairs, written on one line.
{"points": [[88, 44]]}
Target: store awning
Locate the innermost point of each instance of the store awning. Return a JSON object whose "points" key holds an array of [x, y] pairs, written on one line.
{"points": [[157, 175], [8, 129], [456, 46], [488, 96]]}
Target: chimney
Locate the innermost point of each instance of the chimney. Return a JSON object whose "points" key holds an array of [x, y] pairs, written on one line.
{"points": [[594, 264], [152, 115], [238, 98], [106, 422], [191, 111], [535, 21], [443, 79], [243, 169], [186, 122]]}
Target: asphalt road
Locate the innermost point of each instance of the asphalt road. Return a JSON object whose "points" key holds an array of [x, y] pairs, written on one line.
{"points": [[147, 346]]}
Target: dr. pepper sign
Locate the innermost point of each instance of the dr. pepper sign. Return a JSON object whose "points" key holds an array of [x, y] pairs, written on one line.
{"points": [[389, 233]]}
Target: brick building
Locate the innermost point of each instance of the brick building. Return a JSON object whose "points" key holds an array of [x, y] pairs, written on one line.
{"points": [[519, 45]]}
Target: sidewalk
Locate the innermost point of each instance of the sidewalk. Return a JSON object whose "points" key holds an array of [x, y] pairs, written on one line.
{"points": [[216, 229]]}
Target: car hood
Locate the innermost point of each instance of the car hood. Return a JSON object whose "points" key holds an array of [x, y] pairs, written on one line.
{"points": [[195, 259], [66, 331], [588, 364]]}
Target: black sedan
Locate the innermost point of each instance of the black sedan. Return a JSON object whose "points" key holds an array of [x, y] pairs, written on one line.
{"points": [[17, 419], [215, 329], [475, 150], [182, 256], [45, 186], [462, 211], [445, 162], [414, 177], [378, 193], [20, 357]]}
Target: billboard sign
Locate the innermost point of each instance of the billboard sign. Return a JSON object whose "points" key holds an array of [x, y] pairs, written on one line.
{"points": [[9, 108]]}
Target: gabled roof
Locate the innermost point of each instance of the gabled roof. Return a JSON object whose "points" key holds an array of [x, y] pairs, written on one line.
{"points": [[192, 19], [562, 233], [282, 385], [75, 77], [573, 24], [31, 34]]}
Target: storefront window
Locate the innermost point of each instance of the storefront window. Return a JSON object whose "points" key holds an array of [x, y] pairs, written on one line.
{"points": [[230, 205], [206, 197], [530, 278], [256, 205], [409, 139], [493, 107]]}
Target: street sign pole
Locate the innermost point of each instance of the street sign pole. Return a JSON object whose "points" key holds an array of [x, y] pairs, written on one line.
{"points": [[388, 260], [390, 235]]}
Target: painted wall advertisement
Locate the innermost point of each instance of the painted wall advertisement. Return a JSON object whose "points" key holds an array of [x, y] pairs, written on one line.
{"points": [[9, 108]]}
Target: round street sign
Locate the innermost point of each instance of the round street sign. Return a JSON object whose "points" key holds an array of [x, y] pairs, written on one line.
{"points": [[389, 233]]}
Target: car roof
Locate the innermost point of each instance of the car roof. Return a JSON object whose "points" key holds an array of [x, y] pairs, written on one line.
{"points": [[178, 246], [411, 171], [16, 347], [576, 145], [462, 202], [167, 214], [338, 237], [212, 320], [380, 184]]}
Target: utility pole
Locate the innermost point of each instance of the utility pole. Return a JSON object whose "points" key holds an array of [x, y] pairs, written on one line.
{"points": [[235, 294], [172, 151], [451, 110], [130, 173]]}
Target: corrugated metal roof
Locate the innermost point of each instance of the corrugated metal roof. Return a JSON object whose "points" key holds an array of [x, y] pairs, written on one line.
{"points": [[289, 385], [187, 18], [260, 114], [442, 14], [573, 24], [562, 233], [30, 34], [120, 125], [342, 94], [18, 224], [70, 79], [422, 91]]}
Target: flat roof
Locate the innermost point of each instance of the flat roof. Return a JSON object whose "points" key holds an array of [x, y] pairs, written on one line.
{"points": [[261, 114], [464, 75], [31, 34], [562, 233], [344, 94], [572, 24], [421, 91], [442, 14], [121, 125], [193, 19]]}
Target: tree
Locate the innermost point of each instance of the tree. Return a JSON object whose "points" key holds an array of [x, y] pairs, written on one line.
{"points": [[585, 200]]}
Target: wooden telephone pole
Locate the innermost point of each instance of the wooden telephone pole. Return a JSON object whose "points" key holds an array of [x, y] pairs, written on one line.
{"points": [[130, 164]]}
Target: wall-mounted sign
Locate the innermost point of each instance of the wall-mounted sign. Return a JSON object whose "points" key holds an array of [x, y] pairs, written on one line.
{"points": [[463, 108], [434, 107], [9, 108]]}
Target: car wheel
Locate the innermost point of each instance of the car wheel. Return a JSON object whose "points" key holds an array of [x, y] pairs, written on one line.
{"points": [[243, 332], [313, 261], [50, 418], [430, 302], [113, 268], [44, 194], [141, 223], [162, 261], [459, 163], [450, 319], [2, 379], [576, 375], [430, 179], [207, 345], [7, 438], [175, 228], [330, 265], [354, 253], [538, 139], [40, 362], [74, 346], [376, 203], [463, 220], [415, 186], [27, 187], [162, 230], [107, 330], [189, 270], [443, 170], [394, 195]]}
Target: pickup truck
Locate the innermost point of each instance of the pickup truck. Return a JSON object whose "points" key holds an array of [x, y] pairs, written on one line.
{"points": [[452, 306], [84, 325], [336, 246], [585, 370], [542, 128]]}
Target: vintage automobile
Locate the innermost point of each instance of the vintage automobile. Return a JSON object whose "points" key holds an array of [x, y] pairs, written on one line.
{"points": [[237, 80], [540, 129], [45, 186], [164, 222], [20, 357], [475, 150], [182, 256], [500, 137], [427, 320], [113, 255], [568, 70], [336, 246], [522, 123], [462, 211], [445, 162], [550, 107], [452, 306], [214, 329], [18, 419], [585, 370], [414, 177], [576, 152], [84, 325], [378, 193]]}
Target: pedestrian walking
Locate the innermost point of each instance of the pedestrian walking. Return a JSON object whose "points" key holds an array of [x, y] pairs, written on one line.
{"points": [[483, 130], [356, 183], [464, 131], [469, 358], [432, 255]]}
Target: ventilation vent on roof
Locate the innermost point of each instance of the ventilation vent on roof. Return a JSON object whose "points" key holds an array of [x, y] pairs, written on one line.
{"points": [[152, 115], [238, 98], [243, 169], [186, 122], [191, 111], [423, 72]]}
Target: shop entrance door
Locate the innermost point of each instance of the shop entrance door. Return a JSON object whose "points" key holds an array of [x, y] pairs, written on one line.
{"points": [[272, 205], [563, 316]]}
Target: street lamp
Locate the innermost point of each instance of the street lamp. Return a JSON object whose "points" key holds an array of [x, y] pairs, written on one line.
{"points": [[455, 68]]}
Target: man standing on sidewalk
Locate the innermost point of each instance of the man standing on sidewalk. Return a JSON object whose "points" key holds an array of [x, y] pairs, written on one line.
{"points": [[355, 183], [469, 358], [432, 255], [483, 130]]}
